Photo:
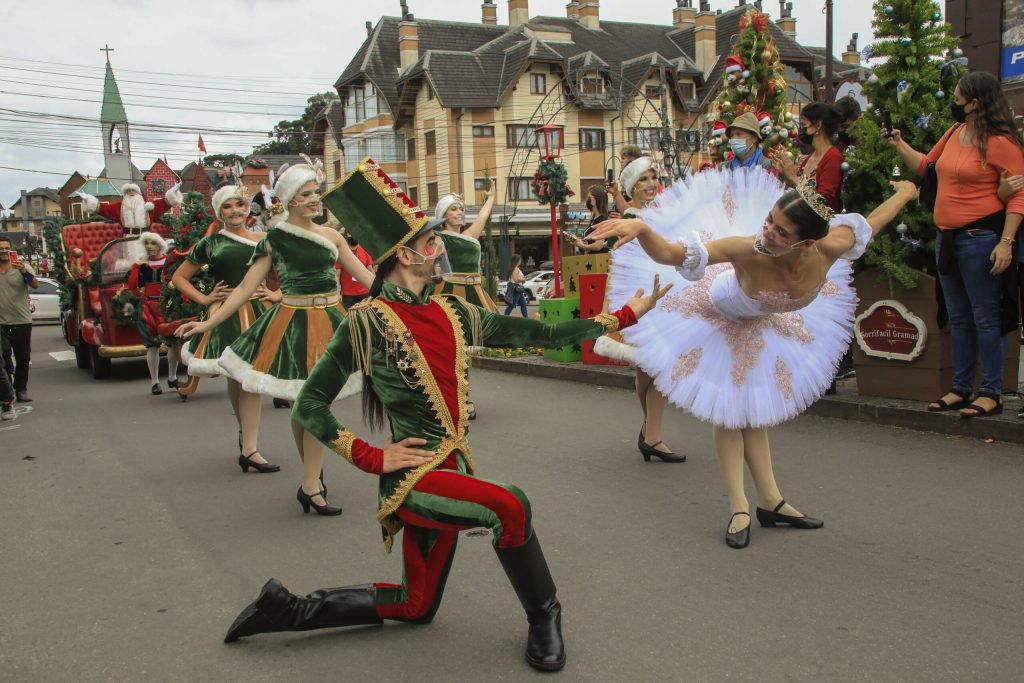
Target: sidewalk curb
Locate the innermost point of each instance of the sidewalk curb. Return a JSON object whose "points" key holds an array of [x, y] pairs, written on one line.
{"points": [[879, 411]]}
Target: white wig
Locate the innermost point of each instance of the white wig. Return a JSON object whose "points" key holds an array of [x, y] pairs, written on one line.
{"points": [[157, 239], [446, 202], [229, 192], [631, 174]]}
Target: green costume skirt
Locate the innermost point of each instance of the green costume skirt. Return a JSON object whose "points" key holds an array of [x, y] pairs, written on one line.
{"points": [[202, 352], [472, 293], [276, 354]]}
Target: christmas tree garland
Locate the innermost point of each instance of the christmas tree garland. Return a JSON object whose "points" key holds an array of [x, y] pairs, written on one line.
{"points": [[190, 226], [550, 182]]}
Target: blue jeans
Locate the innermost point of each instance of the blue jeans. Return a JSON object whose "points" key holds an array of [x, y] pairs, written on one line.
{"points": [[972, 299], [520, 301]]}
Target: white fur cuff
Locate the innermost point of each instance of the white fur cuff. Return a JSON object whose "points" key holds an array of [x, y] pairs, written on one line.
{"points": [[692, 267], [148, 206], [173, 198], [90, 203]]}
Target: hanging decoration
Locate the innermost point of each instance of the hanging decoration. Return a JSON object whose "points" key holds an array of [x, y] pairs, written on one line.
{"points": [[550, 182]]}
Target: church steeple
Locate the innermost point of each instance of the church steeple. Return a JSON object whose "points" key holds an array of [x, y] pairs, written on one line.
{"points": [[117, 153]]}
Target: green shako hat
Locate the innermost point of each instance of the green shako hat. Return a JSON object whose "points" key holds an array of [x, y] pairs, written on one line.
{"points": [[375, 211]]}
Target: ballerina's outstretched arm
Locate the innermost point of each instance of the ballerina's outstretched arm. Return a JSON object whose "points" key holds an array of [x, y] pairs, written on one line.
{"points": [[838, 242], [661, 250]]}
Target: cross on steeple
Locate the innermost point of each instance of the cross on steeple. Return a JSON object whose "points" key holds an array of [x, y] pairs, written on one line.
{"points": [[106, 48]]}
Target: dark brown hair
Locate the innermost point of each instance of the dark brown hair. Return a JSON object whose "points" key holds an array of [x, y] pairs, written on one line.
{"points": [[809, 225], [600, 199], [993, 116]]}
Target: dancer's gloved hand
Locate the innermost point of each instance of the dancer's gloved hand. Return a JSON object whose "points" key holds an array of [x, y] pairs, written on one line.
{"points": [[642, 304], [400, 455], [190, 328], [626, 229], [274, 296]]}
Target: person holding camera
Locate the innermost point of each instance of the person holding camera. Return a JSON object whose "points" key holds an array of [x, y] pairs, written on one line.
{"points": [[515, 292], [597, 204], [16, 278], [976, 236]]}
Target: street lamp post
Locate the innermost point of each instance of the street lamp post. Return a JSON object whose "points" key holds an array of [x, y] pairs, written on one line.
{"points": [[552, 138]]}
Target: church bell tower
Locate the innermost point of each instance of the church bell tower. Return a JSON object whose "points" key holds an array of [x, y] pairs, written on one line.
{"points": [[117, 150]]}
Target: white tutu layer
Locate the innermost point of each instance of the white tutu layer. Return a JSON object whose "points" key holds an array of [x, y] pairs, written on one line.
{"points": [[735, 372]]}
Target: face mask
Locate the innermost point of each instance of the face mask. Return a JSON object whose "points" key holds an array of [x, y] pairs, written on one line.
{"points": [[739, 146], [958, 111], [803, 136], [590, 205], [442, 266]]}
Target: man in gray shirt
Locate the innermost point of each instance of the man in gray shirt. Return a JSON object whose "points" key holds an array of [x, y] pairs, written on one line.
{"points": [[16, 277]]}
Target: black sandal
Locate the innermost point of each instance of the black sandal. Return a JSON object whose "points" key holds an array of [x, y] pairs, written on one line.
{"points": [[943, 406], [982, 412]]}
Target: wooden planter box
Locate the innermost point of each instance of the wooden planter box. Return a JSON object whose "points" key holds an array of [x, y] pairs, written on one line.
{"points": [[930, 375]]}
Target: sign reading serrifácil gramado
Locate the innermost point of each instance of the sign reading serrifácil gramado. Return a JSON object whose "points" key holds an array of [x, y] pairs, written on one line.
{"points": [[888, 330]]}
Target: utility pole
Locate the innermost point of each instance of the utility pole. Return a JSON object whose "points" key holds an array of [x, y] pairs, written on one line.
{"points": [[829, 93], [666, 143]]}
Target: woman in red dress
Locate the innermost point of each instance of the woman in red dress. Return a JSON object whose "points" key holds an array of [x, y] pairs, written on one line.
{"points": [[146, 281], [819, 130]]}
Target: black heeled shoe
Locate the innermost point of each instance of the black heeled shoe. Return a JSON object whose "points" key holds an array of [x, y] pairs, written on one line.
{"points": [[737, 539], [640, 440], [172, 383], [156, 390], [306, 501], [245, 462], [650, 451], [769, 518]]}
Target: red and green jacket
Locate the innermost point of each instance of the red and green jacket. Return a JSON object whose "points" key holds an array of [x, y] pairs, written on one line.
{"points": [[414, 350]]}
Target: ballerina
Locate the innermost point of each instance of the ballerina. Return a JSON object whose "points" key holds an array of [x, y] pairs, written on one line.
{"points": [[753, 334], [226, 254], [275, 355]]}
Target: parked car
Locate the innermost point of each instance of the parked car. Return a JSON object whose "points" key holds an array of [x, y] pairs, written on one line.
{"points": [[45, 302], [535, 284]]}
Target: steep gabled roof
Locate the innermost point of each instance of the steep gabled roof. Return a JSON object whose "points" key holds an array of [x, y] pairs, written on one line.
{"points": [[113, 109]]}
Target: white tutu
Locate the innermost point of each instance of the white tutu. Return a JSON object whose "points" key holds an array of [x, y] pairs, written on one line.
{"points": [[728, 358]]}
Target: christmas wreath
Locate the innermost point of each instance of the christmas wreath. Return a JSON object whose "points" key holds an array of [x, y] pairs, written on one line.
{"points": [[125, 308], [550, 184]]}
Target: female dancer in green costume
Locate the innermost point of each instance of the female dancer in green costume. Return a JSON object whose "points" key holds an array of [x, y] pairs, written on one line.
{"points": [[463, 248], [225, 254], [276, 354]]}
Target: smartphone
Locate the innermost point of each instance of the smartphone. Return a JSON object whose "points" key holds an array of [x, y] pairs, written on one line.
{"points": [[14, 256], [611, 176], [887, 123]]}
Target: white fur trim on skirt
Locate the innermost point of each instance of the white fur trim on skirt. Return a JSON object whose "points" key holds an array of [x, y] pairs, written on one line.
{"points": [[256, 382]]}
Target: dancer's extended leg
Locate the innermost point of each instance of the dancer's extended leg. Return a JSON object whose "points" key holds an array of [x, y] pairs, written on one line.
{"points": [[758, 454], [729, 448]]}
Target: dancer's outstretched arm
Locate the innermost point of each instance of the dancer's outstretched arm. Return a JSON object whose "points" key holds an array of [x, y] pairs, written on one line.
{"points": [[838, 241], [258, 272], [629, 229]]}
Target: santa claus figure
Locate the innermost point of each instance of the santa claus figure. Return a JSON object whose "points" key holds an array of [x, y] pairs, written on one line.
{"points": [[133, 212]]}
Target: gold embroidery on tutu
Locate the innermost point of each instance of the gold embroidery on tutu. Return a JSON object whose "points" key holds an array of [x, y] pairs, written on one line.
{"points": [[729, 204], [784, 378], [687, 364], [745, 338]]}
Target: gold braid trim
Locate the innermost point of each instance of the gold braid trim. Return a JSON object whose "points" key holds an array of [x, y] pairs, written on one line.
{"points": [[608, 321], [343, 444], [361, 320], [476, 325], [461, 360]]}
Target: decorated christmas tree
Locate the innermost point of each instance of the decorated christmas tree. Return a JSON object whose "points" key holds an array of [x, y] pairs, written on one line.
{"points": [[754, 81], [911, 88], [187, 228]]}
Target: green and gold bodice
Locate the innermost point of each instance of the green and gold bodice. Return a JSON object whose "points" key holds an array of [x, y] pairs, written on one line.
{"points": [[463, 252], [226, 254], [304, 260]]}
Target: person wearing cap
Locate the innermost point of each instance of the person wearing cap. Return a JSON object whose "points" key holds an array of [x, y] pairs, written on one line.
{"points": [[275, 355], [412, 349], [640, 179], [225, 254], [744, 139]]}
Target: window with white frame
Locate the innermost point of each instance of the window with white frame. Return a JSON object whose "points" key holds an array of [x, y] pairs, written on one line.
{"points": [[483, 131], [591, 138], [519, 188], [644, 138]]}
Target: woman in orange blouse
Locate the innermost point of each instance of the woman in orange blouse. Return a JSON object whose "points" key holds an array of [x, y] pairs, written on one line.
{"points": [[977, 232]]}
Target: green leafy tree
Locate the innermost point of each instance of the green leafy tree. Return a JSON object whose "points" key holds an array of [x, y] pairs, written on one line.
{"points": [[755, 82], [293, 137], [912, 86], [226, 160]]}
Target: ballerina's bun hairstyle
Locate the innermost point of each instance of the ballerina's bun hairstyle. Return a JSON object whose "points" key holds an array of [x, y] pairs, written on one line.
{"points": [[809, 225]]}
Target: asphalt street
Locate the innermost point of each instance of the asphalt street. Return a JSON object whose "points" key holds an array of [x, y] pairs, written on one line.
{"points": [[130, 540]]}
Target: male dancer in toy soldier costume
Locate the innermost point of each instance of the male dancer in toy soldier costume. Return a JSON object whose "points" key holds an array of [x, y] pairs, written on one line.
{"points": [[412, 349]]}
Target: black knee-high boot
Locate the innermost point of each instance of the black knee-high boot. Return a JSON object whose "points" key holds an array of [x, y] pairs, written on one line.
{"points": [[276, 609], [528, 573]]}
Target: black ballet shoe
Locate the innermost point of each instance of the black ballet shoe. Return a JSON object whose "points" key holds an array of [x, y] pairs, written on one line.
{"points": [[650, 451], [156, 390], [245, 462], [306, 501], [769, 518], [172, 383], [281, 403], [737, 539]]}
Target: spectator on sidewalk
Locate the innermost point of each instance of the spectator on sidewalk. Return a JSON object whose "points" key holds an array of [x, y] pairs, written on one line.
{"points": [[515, 292], [15, 316], [6, 390]]}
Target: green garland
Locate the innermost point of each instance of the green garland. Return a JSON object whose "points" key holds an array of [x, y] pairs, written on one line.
{"points": [[67, 288], [550, 182], [125, 308]]}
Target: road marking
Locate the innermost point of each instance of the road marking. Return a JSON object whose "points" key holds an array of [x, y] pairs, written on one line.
{"points": [[22, 409], [62, 355]]}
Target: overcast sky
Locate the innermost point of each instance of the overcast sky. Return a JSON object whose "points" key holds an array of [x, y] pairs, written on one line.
{"points": [[241, 65]]}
